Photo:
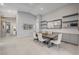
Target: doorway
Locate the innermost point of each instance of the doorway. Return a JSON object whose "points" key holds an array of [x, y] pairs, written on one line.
{"points": [[8, 26]]}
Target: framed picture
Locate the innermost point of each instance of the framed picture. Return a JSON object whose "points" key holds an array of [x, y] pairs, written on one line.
{"points": [[30, 26], [27, 26]]}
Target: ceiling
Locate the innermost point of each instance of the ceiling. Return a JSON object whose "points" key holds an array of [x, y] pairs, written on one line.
{"points": [[34, 8]]}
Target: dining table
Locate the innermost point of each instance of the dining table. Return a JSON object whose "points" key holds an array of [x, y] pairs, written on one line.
{"points": [[50, 37]]}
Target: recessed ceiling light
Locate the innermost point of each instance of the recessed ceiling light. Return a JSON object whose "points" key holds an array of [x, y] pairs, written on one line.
{"points": [[2, 4], [41, 8]]}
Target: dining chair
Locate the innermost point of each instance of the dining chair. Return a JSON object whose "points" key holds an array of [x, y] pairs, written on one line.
{"points": [[41, 39], [57, 41], [35, 36]]}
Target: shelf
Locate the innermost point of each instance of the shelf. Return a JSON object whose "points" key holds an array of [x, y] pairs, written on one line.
{"points": [[70, 21], [43, 24], [75, 14], [43, 27], [43, 21], [55, 20]]}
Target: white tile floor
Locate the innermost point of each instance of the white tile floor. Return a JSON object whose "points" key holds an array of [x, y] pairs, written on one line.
{"points": [[26, 46]]}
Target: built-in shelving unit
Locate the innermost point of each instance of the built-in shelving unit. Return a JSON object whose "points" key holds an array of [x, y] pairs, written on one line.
{"points": [[43, 24], [70, 21], [53, 24]]}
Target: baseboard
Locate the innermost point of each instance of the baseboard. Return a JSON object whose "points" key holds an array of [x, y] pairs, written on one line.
{"points": [[71, 43]]}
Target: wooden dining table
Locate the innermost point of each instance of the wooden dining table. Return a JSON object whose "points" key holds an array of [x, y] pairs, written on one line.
{"points": [[50, 37]]}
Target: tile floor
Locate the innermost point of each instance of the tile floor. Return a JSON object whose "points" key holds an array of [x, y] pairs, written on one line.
{"points": [[26, 46]]}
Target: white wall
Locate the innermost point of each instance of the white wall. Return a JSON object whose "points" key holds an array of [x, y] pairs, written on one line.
{"points": [[24, 18], [37, 24], [57, 14]]}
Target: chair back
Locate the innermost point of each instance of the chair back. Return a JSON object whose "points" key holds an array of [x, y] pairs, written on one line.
{"points": [[34, 35], [59, 38], [40, 37]]}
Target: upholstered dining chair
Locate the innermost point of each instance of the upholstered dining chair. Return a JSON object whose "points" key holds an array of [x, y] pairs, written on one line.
{"points": [[35, 36], [41, 39], [57, 41]]}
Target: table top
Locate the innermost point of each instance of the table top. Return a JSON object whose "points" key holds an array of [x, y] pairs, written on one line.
{"points": [[50, 35]]}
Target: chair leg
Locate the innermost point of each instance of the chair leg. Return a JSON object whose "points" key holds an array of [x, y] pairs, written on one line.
{"points": [[58, 45], [41, 43], [49, 45]]}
